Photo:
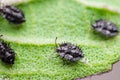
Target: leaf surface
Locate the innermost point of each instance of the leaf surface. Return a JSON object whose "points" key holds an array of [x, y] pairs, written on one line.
{"points": [[70, 21]]}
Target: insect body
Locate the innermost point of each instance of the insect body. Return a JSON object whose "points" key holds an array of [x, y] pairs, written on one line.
{"points": [[7, 55], [69, 51], [12, 14], [106, 28]]}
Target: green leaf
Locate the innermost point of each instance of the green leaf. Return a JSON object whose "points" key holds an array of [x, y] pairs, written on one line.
{"points": [[112, 5], [68, 20]]}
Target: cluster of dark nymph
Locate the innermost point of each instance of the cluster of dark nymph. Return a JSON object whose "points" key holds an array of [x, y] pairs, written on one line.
{"points": [[72, 52], [16, 16], [67, 51]]}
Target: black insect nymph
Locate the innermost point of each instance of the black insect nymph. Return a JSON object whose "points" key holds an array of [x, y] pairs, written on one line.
{"points": [[7, 55], [12, 14], [69, 51], [106, 28]]}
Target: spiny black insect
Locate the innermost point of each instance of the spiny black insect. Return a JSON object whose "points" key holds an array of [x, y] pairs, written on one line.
{"points": [[12, 14], [69, 51], [106, 28], [7, 55]]}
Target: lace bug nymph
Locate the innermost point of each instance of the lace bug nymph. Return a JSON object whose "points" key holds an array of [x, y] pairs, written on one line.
{"points": [[69, 51], [7, 55], [12, 14], [106, 28]]}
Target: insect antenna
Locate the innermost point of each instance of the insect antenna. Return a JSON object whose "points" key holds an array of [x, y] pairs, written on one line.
{"points": [[52, 55], [56, 44]]}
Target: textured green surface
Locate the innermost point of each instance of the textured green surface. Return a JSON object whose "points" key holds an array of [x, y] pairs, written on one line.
{"points": [[112, 5], [68, 20]]}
